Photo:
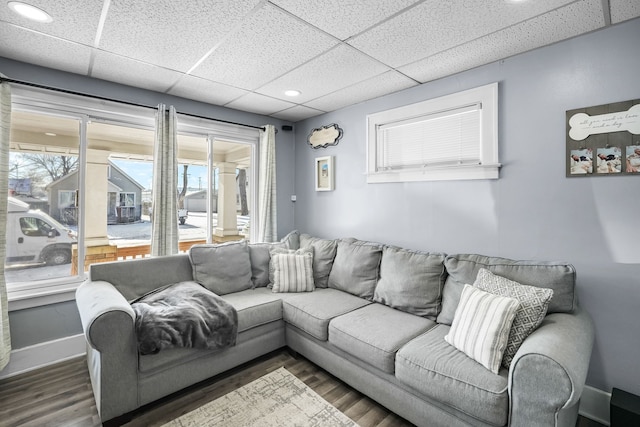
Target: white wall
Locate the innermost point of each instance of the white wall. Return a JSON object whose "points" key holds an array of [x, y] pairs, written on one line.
{"points": [[533, 211]]}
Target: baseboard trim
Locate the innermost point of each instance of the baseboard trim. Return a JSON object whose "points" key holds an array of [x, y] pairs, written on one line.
{"points": [[44, 354], [594, 404]]}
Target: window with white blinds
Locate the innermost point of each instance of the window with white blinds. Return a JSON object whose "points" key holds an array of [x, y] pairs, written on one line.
{"points": [[452, 137]]}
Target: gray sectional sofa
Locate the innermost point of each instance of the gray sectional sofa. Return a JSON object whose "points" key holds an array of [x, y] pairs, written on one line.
{"points": [[377, 319]]}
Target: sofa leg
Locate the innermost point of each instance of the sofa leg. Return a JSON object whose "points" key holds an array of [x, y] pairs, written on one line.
{"points": [[118, 421]]}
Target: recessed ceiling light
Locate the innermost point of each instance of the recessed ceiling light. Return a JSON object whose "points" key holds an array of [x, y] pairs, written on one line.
{"points": [[292, 92], [30, 12], [50, 134]]}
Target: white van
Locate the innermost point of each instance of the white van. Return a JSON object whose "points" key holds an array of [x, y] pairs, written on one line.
{"points": [[35, 237]]}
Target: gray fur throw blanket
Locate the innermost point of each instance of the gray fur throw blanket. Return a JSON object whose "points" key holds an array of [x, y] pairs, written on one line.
{"points": [[184, 314]]}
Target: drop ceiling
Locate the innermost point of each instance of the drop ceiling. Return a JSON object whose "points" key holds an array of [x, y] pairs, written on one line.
{"points": [[244, 54]]}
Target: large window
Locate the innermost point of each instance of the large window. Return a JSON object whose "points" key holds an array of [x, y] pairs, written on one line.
{"points": [[81, 186], [451, 137]]}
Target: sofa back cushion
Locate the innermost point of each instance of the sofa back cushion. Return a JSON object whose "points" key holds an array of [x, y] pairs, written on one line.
{"points": [[411, 281], [222, 268], [324, 252], [356, 268], [463, 269], [260, 256]]}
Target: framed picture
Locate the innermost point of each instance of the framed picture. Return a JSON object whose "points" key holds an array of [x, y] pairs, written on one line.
{"points": [[324, 173]]}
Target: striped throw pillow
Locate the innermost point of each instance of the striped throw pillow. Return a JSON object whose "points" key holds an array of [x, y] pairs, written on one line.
{"points": [[481, 326], [292, 271]]}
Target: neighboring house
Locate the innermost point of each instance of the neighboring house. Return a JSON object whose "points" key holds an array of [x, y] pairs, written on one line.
{"points": [[124, 197], [197, 201]]}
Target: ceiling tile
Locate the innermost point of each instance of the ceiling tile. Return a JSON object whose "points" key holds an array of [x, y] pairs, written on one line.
{"points": [[297, 113], [72, 20], [336, 69], [382, 84], [172, 34], [560, 24], [285, 42], [436, 25], [39, 49], [116, 68], [623, 10], [343, 19], [191, 87], [259, 104]]}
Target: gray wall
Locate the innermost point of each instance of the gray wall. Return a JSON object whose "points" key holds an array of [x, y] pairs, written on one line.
{"points": [[533, 211], [41, 324]]}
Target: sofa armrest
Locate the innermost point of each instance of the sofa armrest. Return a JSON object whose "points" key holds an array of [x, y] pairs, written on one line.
{"points": [[548, 372], [108, 322], [103, 311]]}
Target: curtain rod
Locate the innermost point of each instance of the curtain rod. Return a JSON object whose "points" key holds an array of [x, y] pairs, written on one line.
{"points": [[102, 98]]}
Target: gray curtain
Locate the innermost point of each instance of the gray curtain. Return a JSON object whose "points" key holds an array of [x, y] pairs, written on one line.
{"points": [[5, 127], [267, 213], [164, 229]]}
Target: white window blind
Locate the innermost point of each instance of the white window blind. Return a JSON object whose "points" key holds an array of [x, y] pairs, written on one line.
{"points": [[452, 137], [446, 138]]}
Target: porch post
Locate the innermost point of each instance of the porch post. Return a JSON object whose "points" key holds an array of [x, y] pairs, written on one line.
{"points": [[227, 213]]}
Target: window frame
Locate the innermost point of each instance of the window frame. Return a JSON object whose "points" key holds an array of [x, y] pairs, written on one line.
{"points": [[488, 168]]}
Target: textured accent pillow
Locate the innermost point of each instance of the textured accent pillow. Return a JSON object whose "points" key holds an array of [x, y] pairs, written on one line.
{"points": [[481, 326], [534, 302], [292, 240], [292, 271], [356, 268], [411, 281], [222, 268], [260, 257], [324, 251]]}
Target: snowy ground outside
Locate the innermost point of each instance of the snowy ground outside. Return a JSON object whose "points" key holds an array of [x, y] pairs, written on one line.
{"points": [[132, 234]]}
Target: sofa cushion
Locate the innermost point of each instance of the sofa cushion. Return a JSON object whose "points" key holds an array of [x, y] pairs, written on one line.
{"points": [[462, 269], [481, 326], [324, 251], [260, 256], [311, 312], [356, 268], [222, 268], [255, 307], [292, 271], [411, 281], [531, 311], [439, 371], [374, 333], [292, 240]]}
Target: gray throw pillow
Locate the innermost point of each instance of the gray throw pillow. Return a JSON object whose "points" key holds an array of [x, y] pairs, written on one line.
{"points": [[531, 311], [411, 281], [356, 268], [292, 240], [260, 257], [223, 268], [324, 251]]}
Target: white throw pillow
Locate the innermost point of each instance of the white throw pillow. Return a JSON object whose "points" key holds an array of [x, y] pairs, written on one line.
{"points": [[292, 271], [534, 302], [481, 326]]}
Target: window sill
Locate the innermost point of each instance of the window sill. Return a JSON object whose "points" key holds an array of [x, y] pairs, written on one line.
{"points": [[437, 174], [20, 299]]}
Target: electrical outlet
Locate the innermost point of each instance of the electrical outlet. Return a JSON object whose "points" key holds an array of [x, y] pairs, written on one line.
{"points": [[293, 198]]}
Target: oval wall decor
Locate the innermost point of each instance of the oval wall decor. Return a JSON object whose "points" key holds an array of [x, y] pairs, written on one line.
{"points": [[325, 136]]}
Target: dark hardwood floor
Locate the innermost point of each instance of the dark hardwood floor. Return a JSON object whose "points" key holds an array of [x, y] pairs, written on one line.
{"points": [[61, 395]]}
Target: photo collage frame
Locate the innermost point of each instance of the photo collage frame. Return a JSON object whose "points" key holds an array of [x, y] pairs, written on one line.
{"points": [[604, 140]]}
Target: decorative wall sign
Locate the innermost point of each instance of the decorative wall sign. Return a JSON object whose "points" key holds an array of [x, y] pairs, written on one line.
{"points": [[604, 140], [325, 136], [324, 173]]}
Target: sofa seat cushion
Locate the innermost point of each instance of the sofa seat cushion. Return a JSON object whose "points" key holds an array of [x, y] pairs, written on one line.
{"points": [[311, 312], [374, 333], [255, 307], [439, 371]]}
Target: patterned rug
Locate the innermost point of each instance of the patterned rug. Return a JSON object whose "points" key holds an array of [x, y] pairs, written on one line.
{"points": [[274, 400]]}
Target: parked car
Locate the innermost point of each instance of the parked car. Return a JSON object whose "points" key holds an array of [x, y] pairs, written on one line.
{"points": [[35, 237]]}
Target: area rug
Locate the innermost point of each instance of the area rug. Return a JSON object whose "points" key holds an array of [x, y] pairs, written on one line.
{"points": [[274, 400]]}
